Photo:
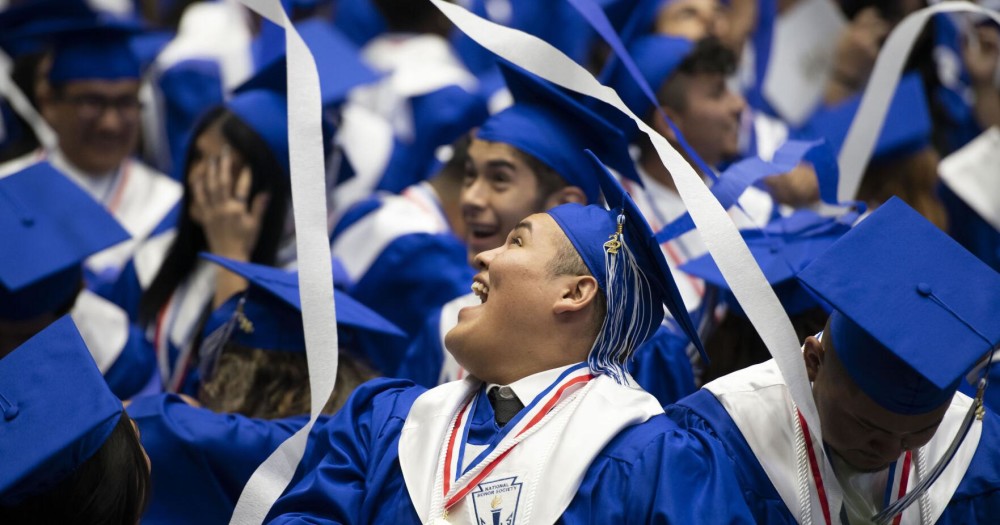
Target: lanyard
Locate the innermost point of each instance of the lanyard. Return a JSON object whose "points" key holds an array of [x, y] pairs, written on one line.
{"points": [[818, 477]]}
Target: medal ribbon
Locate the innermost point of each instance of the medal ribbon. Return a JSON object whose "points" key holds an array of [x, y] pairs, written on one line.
{"points": [[525, 421], [818, 477]]}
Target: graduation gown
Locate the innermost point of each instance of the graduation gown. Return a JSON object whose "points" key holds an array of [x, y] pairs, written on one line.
{"points": [[650, 472], [749, 413], [401, 256], [201, 459]]}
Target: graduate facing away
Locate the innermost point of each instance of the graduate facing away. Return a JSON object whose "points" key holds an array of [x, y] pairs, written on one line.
{"points": [[548, 427]]}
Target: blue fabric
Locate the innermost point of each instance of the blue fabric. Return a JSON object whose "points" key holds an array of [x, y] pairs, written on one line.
{"points": [[134, 366], [649, 473], [425, 354], [956, 120], [970, 229], [661, 366], [976, 500], [201, 460], [189, 88], [901, 308], [439, 118]]}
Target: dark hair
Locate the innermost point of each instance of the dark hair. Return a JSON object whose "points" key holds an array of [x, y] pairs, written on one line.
{"points": [[549, 181], [735, 344], [412, 16], [567, 261], [112, 487], [709, 57], [271, 385], [268, 176]]}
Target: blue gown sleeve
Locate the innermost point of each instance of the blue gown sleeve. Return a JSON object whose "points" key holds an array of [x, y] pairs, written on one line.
{"points": [[977, 499], [200, 459], [702, 413], [661, 366], [353, 465], [134, 366], [656, 473], [424, 356]]}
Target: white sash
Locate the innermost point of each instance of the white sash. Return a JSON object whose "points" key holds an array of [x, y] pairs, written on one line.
{"points": [[103, 326], [757, 400], [538, 461], [179, 322]]}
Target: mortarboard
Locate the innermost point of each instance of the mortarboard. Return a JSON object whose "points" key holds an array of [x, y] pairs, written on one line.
{"points": [[269, 314], [337, 60], [629, 268], [49, 226], [913, 309], [657, 57], [782, 249], [907, 127], [57, 411], [553, 127]]}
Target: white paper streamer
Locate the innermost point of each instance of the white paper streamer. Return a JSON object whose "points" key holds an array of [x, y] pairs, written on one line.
{"points": [[20, 103], [305, 145], [717, 229], [864, 131]]}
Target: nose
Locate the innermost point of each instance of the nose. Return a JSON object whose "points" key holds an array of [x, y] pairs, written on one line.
{"points": [[483, 259], [739, 103], [473, 197], [110, 119]]}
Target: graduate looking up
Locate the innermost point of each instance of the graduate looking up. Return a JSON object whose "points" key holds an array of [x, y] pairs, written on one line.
{"points": [[913, 312], [548, 427]]}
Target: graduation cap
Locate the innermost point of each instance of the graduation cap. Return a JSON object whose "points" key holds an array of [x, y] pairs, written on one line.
{"points": [[57, 411], [914, 311], [269, 314], [782, 249], [907, 127], [548, 124], [338, 63], [49, 226], [620, 250], [657, 57]]}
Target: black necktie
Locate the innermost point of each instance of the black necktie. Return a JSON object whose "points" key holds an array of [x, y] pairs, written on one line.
{"points": [[504, 408]]}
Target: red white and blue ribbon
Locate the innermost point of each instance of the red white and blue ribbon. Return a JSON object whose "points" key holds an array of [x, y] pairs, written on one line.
{"points": [[458, 482]]}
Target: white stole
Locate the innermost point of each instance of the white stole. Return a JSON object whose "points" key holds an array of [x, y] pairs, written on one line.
{"points": [[758, 401], [590, 418]]}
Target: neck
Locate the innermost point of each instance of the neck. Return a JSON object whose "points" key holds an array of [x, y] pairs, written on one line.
{"points": [[651, 164]]}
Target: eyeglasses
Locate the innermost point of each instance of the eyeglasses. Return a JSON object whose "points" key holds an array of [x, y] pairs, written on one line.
{"points": [[92, 107]]}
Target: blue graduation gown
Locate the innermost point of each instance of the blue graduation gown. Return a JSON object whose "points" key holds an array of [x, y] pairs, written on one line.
{"points": [[976, 500], [201, 459], [650, 473]]}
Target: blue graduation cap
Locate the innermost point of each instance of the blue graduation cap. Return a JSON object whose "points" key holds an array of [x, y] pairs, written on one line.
{"points": [[49, 226], [907, 127], [553, 127], [782, 249], [914, 311], [25, 27], [620, 250], [657, 57], [57, 411], [269, 315], [338, 63]]}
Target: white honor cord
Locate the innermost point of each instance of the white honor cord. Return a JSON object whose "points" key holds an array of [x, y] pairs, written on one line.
{"points": [[721, 237], [20, 103], [864, 131], [305, 148]]}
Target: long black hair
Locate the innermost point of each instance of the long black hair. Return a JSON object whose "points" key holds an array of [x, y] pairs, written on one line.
{"points": [[109, 488], [268, 176]]}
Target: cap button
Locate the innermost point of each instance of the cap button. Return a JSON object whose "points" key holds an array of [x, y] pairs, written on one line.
{"points": [[924, 289], [11, 412]]}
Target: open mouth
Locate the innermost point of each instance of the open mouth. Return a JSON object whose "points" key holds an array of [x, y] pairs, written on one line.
{"points": [[482, 290], [482, 231]]}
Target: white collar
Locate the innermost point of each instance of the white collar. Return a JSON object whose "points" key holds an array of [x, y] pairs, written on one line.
{"points": [[527, 388]]}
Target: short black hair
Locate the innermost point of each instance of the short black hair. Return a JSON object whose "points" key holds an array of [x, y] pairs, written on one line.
{"points": [[549, 180], [709, 57], [110, 488]]}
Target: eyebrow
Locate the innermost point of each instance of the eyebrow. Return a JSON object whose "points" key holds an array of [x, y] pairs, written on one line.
{"points": [[500, 163], [524, 225]]}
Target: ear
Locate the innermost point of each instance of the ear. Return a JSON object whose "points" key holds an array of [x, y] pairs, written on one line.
{"points": [[565, 195], [813, 354], [578, 292]]}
